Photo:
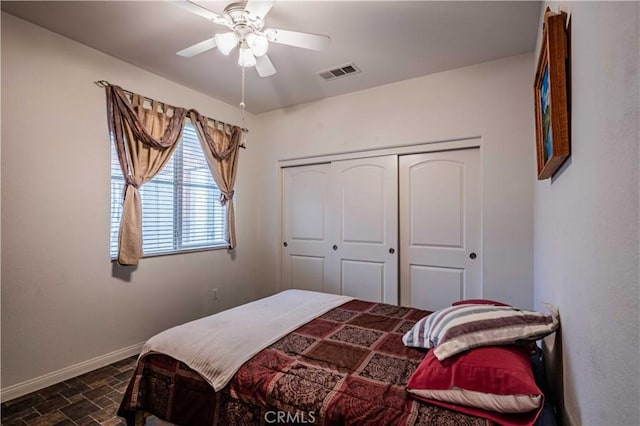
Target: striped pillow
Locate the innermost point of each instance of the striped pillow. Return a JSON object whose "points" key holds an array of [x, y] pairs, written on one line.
{"points": [[460, 328]]}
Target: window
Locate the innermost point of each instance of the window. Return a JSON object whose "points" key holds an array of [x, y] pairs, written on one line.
{"points": [[180, 205]]}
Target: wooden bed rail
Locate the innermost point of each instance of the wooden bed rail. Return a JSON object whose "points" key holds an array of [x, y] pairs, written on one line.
{"points": [[141, 417]]}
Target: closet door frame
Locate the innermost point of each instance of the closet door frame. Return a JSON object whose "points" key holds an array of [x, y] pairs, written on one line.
{"points": [[418, 148]]}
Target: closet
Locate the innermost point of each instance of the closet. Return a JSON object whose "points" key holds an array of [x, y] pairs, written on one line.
{"points": [[400, 228], [340, 228]]}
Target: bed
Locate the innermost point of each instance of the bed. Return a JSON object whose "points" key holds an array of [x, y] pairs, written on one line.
{"points": [[346, 366]]}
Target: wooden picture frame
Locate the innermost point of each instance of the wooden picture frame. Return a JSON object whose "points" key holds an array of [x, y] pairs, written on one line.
{"points": [[550, 97]]}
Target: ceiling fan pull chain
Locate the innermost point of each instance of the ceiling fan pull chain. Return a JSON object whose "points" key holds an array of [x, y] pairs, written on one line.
{"points": [[242, 106]]}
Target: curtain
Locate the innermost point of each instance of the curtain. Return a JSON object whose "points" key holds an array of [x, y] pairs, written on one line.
{"points": [[144, 139], [220, 144]]}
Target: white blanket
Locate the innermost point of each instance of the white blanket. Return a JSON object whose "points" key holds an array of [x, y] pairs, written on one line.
{"points": [[216, 346]]}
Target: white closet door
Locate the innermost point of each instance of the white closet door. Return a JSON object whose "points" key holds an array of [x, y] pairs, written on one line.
{"points": [[365, 205], [305, 208], [440, 228]]}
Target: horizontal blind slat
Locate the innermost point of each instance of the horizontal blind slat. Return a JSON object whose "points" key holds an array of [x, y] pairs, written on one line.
{"points": [[202, 218]]}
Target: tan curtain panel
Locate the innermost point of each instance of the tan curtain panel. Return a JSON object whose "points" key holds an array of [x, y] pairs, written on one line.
{"points": [[144, 139], [220, 144]]}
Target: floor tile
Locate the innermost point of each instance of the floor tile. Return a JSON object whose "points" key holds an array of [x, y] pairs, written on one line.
{"points": [[117, 421], [18, 422], [103, 401], [6, 418], [106, 413], [98, 392], [125, 363], [79, 409], [27, 419], [99, 375], [56, 401], [48, 419], [12, 408], [87, 421], [65, 422], [91, 399], [74, 388], [125, 375], [52, 391], [76, 398]]}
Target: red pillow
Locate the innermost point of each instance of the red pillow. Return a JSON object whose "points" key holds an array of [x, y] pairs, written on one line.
{"points": [[478, 302], [493, 382]]}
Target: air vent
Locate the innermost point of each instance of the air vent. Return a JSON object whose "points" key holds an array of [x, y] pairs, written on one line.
{"points": [[337, 72]]}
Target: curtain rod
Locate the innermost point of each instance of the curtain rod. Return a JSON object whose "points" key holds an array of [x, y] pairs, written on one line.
{"points": [[104, 83]]}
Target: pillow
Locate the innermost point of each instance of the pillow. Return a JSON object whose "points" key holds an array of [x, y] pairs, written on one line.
{"points": [[478, 302], [494, 378], [493, 382], [460, 328]]}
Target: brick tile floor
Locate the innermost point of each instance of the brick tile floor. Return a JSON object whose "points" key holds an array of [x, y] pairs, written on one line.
{"points": [[87, 400]]}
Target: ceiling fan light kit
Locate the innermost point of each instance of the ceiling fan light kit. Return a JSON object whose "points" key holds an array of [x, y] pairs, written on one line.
{"points": [[258, 44], [246, 21], [226, 42], [246, 57]]}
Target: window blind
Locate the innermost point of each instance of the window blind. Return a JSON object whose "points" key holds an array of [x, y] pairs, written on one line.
{"points": [[180, 205]]}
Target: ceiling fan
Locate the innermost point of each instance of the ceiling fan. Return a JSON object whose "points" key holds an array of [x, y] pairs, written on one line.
{"points": [[246, 21]]}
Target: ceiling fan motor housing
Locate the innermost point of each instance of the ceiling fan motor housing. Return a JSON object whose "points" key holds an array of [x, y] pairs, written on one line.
{"points": [[241, 21]]}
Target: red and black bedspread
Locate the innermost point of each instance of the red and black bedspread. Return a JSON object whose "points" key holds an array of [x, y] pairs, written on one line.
{"points": [[347, 367]]}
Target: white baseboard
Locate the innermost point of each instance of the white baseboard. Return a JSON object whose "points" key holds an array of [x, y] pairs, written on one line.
{"points": [[32, 385]]}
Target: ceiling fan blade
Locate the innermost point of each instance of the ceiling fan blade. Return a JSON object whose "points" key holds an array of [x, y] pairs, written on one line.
{"points": [[259, 8], [297, 39], [201, 11], [264, 66], [198, 48]]}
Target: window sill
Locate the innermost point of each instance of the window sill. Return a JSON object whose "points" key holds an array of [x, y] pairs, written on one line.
{"points": [[171, 253]]}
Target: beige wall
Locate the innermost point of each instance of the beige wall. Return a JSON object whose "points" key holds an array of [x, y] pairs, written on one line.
{"points": [[61, 304], [587, 224], [490, 100]]}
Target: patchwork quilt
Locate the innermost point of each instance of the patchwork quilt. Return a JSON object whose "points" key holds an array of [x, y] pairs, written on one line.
{"points": [[346, 367]]}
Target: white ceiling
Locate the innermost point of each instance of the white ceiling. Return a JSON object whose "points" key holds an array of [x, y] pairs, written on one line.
{"points": [[388, 40]]}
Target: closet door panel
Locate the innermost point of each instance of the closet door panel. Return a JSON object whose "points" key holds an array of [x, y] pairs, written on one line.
{"points": [[307, 272], [434, 286], [305, 225], [440, 228], [437, 224], [362, 198], [363, 280], [365, 231]]}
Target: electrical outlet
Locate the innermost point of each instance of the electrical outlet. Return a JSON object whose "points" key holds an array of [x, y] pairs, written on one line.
{"points": [[214, 294]]}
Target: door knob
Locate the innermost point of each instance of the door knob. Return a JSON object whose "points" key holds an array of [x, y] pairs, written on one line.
{"points": [[285, 244], [392, 250], [473, 255], [335, 247]]}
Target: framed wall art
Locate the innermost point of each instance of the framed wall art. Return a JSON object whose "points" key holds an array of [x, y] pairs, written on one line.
{"points": [[551, 97]]}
